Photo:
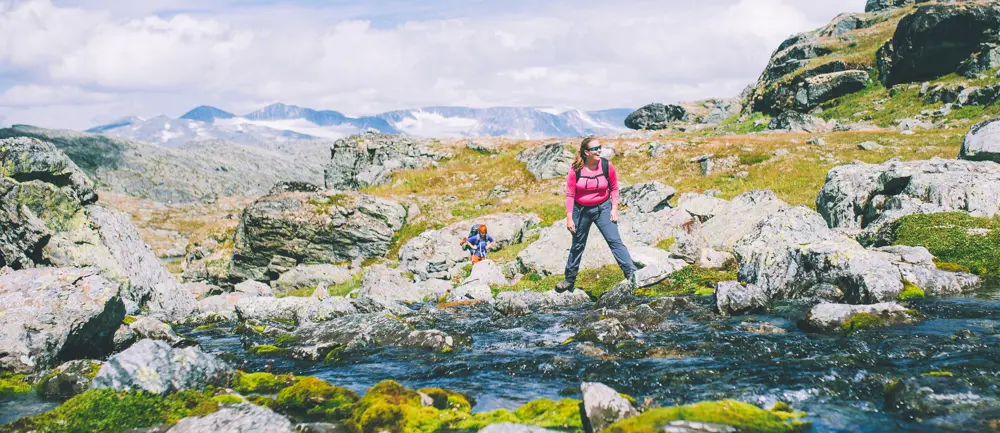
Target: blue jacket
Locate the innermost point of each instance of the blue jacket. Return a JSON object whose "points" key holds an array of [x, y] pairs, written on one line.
{"points": [[479, 244]]}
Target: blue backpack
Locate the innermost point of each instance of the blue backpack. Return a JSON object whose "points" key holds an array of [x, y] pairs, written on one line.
{"points": [[474, 231]]}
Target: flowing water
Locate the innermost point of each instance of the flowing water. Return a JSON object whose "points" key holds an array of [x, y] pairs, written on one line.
{"points": [[838, 380]]}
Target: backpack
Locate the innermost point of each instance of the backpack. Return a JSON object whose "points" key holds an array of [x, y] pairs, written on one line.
{"points": [[474, 231], [604, 170]]}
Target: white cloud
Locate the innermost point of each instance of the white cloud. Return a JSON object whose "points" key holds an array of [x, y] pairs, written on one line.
{"points": [[570, 53]]}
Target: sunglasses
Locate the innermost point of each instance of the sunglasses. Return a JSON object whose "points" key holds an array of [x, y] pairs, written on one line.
{"points": [[594, 149]]}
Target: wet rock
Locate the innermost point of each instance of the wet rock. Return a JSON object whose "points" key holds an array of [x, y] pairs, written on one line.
{"points": [[656, 116], [828, 317], [304, 276], [50, 315], [548, 161], [370, 158], [934, 40], [527, 302], [312, 227], [982, 143], [68, 379], [507, 427], [288, 311], [155, 367], [323, 427], [919, 398], [711, 243], [792, 121], [317, 340], [733, 298], [253, 288], [870, 196], [434, 252], [647, 197], [239, 418], [607, 331], [792, 250], [603, 406], [148, 327], [621, 294]]}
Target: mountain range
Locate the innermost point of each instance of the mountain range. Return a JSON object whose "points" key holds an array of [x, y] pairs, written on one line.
{"points": [[281, 122]]}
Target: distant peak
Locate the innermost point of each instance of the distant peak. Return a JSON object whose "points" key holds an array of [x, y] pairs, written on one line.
{"points": [[208, 114]]}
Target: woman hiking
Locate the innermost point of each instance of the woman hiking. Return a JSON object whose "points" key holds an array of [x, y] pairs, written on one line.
{"points": [[592, 198]]}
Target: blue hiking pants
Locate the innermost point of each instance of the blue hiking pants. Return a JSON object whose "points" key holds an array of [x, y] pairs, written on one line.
{"points": [[583, 217]]}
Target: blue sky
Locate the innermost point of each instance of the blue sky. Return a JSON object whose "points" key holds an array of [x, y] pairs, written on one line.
{"points": [[77, 63]]}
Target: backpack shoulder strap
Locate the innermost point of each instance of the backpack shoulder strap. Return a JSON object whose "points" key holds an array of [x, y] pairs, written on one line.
{"points": [[605, 167]]}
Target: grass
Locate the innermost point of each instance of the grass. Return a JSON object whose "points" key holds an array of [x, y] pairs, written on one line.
{"points": [[510, 252], [346, 287], [692, 280], [592, 281], [947, 236]]}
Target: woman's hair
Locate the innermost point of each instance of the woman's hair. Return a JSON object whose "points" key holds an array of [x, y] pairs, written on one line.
{"points": [[581, 156], [482, 229]]}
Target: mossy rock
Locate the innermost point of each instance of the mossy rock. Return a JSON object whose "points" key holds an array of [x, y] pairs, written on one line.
{"points": [[14, 384], [445, 399], [227, 399], [314, 398], [861, 321], [745, 417], [960, 241], [262, 383], [911, 291], [547, 413]]}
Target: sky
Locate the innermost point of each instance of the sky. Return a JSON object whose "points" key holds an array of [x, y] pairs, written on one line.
{"points": [[75, 64]]}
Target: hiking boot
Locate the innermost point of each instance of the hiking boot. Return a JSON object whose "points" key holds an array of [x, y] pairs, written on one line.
{"points": [[631, 279], [564, 286]]}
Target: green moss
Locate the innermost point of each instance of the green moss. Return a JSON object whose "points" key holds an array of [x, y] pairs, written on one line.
{"points": [[938, 374], [261, 383], [911, 291], [510, 252], [704, 291], [107, 410], [334, 354], [317, 399], [227, 399], [861, 321], [954, 238], [950, 267], [50, 203], [128, 320], [692, 280], [666, 243], [285, 340], [304, 292], [346, 287], [263, 400], [745, 417], [14, 384], [546, 413], [322, 205], [266, 349]]}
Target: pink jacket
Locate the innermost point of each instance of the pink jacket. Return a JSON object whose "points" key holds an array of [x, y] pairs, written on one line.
{"points": [[590, 192]]}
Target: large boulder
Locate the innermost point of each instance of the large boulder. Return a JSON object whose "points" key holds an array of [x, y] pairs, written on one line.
{"points": [[153, 366], [386, 284], [486, 272], [51, 315], [733, 298], [239, 418], [821, 88], [829, 317], [982, 143], [603, 406], [934, 40], [869, 196], [793, 121], [791, 251], [289, 311], [702, 243], [882, 5], [916, 265], [285, 228], [357, 331], [656, 116], [526, 302], [370, 158], [647, 197], [434, 253], [547, 161]]}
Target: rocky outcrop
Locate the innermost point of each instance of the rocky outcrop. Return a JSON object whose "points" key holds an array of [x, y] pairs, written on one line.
{"points": [[711, 111], [239, 418], [827, 317], [547, 161], [435, 254], [68, 379], [935, 40], [647, 197], [278, 231], [821, 88], [51, 315], [791, 251], [656, 116], [603, 406], [869, 196], [526, 302], [882, 5], [370, 158], [357, 331], [982, 143], [311, 276], [153, 366], [793, 121]]}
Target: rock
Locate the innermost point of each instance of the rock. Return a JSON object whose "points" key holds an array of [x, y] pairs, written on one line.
{"points": [[323, 427], [201, 290], [607, 331], [797, 122], [67, 380], [487, 273], [253, 288], [474, 291], [367, 159], [821, 88], [710, 243], [881, 5], [713, 111], [153, 366], [654, 265], [621, 294], [934, 40], [239, 418], [603, 406], [647, 197], [483, 146], [124, 338], [816, 141], [828, 317], [52, 315], [527, 302], [982, 143], [25, 159], [289, 311], [733, 298], [549, 161], [701, 206], [655, 116], [315, 341], [869, 196], [916, 265], [148, 327], [149, 282], [656, 148], [870, 146], [919, 398], [306, 276], [386, 284], [790, 251], [218, 308], [986, 59], [312, 227], [434, 252], [507, 427]]}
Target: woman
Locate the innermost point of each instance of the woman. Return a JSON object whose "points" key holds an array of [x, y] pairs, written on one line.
{"points": [[592, 198], [478, 244]]}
